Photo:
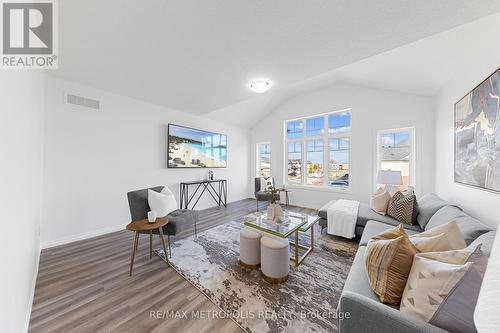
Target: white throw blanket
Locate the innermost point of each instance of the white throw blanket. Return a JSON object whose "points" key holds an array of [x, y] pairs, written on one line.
{"points": [[342, 215]]}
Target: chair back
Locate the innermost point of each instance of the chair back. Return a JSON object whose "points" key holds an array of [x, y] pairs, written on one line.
{"points": [[138, 202], [257, 184]]}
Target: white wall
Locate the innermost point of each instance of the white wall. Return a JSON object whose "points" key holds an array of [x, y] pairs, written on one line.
{"points": [[481, 204], [372, 110], [93, 158], [21, 137]]}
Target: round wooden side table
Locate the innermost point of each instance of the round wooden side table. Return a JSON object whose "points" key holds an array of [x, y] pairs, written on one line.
{"points": [[142, 226]]}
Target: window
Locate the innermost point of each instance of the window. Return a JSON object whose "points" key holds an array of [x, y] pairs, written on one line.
{"points": [[315, 162], [338, 162], [295, 162], [263, 159], [294, 129], [322, 145], [396, 152]]}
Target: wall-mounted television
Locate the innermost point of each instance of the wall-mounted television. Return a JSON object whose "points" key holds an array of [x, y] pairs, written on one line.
{"points": [[193, 148]]}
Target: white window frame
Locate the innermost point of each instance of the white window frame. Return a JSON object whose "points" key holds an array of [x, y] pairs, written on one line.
{"points": [[257, 157], [325, 136], [413, 155]]}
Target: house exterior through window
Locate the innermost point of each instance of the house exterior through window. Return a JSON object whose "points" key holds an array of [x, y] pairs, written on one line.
{"points": [[318, 150]]}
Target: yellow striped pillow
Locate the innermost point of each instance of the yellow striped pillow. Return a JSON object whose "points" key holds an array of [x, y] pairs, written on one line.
{"points": [[388, 260]]}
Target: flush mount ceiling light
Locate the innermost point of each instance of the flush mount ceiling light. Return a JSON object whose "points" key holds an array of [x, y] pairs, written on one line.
{"points": [[260, 86]]}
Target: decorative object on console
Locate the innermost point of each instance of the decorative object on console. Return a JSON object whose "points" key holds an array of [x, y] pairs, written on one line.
{"points": [[152, 216], [388, 259], [403, 208], [379, 201], [477, 140], [193, 148], [443, 288], [389, 179]]}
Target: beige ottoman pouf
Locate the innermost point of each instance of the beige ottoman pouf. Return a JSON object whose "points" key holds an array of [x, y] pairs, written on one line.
{"points": [[274, 260], [249, 248]]}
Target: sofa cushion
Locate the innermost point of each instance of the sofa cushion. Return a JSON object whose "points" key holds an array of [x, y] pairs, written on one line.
{"points": [[441, 238], [486, 241], [357, 280], [365, 214], [180, 220], [403, 207], [469, 226], [388, 260], [373, 228], [428, 205]]}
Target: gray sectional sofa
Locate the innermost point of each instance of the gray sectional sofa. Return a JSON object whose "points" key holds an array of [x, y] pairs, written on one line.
{"points": [[366, 312]]}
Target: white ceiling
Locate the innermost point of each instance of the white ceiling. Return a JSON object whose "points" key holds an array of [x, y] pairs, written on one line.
{"points": [[422, 68], [198, 56]]}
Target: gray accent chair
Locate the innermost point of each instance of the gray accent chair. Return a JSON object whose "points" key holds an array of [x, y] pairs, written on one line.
{"points": [[179, 220], [366, 312], [261, 195]]}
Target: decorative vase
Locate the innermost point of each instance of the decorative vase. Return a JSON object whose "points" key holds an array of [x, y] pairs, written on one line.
{"points": [[274, 212], [152, 216]]}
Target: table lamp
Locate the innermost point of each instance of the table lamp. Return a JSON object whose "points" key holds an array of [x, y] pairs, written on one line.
{"points": [[389, 179]]}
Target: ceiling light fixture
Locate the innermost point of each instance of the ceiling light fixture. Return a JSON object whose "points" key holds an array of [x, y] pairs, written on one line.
{"points": [[260, 86]]}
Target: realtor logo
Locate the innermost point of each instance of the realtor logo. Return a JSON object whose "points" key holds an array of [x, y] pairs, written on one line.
{"points": [[29, 38]]}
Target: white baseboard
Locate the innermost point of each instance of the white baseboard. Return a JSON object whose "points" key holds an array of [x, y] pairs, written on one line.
{"points": [[32, 291], [85, 235]]}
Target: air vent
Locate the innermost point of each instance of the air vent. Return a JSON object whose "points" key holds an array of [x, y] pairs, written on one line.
{"points": [[83, 101]]}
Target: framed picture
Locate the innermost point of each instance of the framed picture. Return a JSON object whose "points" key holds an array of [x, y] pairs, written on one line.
{"points": [[193, 148], [477, 136]]}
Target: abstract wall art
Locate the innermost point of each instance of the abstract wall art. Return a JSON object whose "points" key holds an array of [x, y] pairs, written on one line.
{"points": [[477, 136]]}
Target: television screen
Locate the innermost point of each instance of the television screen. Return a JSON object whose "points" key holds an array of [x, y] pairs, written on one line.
{"points": [[193, 148]]}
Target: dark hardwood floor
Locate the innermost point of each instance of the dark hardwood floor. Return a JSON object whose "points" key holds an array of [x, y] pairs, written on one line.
{"points": [[85, 287]]}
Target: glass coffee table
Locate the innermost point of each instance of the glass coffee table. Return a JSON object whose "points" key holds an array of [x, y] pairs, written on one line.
{"points": [[291, 224]]}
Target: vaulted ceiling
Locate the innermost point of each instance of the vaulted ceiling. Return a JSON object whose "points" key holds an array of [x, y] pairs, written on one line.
{"points": [[199, 56]]}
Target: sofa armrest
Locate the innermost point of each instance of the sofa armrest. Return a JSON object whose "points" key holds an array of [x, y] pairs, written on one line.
{"points": [[362, 314]]}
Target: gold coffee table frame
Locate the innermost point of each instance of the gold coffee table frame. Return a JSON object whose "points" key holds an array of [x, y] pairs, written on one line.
{"points": [[297, 223]]}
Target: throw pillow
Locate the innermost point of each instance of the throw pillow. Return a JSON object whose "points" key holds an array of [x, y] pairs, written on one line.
{"points": [[443, 288], [403, 208], [266, 183], [380, 201], [388, 259], [443, 238], [163, 203]]}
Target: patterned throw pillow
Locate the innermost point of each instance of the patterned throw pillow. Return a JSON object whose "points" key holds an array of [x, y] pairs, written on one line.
{"points": [[388, 260], [443, 288], [403, 208], [266, 183]]}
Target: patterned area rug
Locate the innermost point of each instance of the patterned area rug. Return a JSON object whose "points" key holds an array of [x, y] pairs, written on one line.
{"points": [[307, 302]]}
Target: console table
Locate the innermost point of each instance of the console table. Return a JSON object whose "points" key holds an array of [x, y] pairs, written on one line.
{"points": [[217, 188]]}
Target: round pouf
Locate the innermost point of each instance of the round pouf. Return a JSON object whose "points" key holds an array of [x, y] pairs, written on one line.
{"points": [[249, 248], [274, 260]]}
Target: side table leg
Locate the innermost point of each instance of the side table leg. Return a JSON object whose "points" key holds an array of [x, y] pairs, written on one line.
{"points": [[150, 244], [134, 249], [160, 229]]}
